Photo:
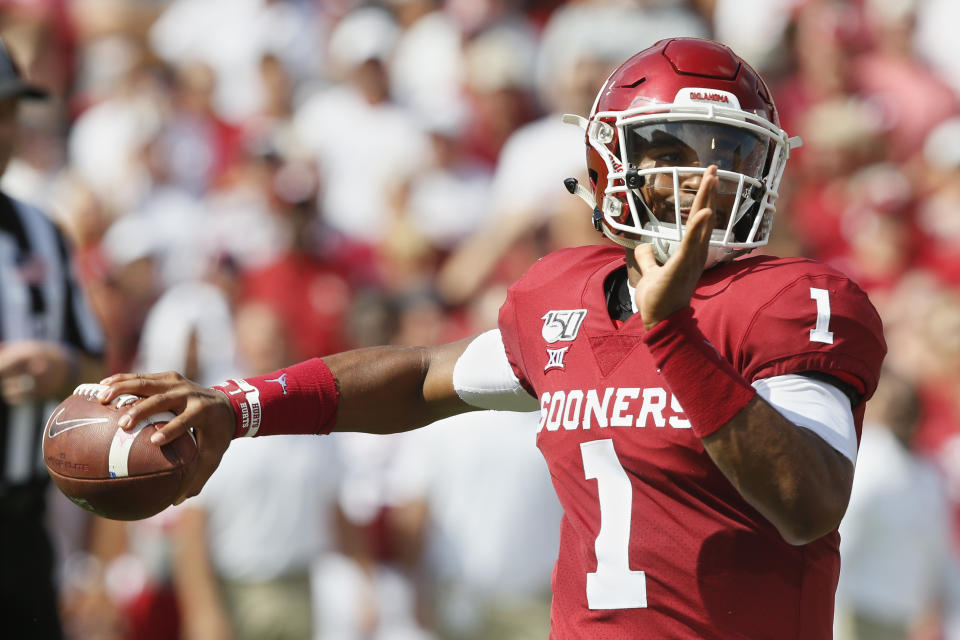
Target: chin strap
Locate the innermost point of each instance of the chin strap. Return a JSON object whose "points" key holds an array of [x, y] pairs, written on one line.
{"points": [[576, 189], [573, 186]]}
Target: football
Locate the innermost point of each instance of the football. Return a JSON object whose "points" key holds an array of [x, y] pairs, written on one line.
{"points": [[108, 471]]}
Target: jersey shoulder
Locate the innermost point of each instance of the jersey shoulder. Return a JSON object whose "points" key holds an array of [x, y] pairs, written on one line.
{"points": [[560, 283], [565, 266], [766, 270], [789, 315]]}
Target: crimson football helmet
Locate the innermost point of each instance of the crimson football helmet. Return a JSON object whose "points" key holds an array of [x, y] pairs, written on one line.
{"points": [[659, 121]]}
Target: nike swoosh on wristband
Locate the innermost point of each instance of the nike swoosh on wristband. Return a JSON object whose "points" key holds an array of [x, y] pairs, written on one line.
{"points": [[56, 426]]}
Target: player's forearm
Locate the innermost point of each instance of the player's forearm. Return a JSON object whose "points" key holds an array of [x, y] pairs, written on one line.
{"points": [[375, 390], [791, 476], [795, 479], [393, 389]]}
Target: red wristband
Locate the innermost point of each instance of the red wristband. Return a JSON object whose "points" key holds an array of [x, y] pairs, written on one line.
{"points": [[708, 388], [301, 399]]}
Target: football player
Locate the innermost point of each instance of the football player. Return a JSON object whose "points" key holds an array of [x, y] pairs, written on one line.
{"points": [[700, 407]]}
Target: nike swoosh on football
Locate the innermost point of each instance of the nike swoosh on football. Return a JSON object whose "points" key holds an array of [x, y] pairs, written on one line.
{"points": [[56, 426]]}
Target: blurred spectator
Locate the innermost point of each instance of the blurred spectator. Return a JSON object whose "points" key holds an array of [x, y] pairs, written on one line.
{"points": [[364, 144], [130, 286], [189, 330], [934, 39], [108, 139], [244, 216], [842, 136], [491, 523], [449, 199], [44, 32], [36, 174], [427, 66], [373, 591], [367, 591], [49, 342], [899, 566], [232, 37], [306, 285], [816, 68], [910, 97], [937, 218], [878, 228], [119, 586], [434, 212], [755, 30], [196, 145], [497, 87], [606, 30], [245, 545], [922, 325]]}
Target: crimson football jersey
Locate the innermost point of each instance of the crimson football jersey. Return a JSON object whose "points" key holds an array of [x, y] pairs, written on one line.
{"points": [[655, 542]]}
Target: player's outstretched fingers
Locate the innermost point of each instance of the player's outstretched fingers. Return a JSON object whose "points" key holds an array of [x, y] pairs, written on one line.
{"points": [[700, 227], [174, 400], [646, 260], [706, 193], [139, 384], [173, 429]]}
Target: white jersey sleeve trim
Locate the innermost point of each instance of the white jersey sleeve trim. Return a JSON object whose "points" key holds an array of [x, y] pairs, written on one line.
{"points": [[483, 377], [814, 405]]}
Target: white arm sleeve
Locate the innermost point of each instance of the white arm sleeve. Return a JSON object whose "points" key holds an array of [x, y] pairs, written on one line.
{"points": [[814, 405], [483, 377]]}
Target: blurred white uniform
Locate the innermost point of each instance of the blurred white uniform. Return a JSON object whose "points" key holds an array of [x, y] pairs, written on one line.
{"points": [[555, 149], [352, 602], [426, 70], [269, 505], [609, 31], [935, 38], [896, 549], [232, 37], [363, 151], [495, 516]]}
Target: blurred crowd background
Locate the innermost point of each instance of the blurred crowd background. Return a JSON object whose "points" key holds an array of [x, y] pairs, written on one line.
{"points": [[248, 183]]}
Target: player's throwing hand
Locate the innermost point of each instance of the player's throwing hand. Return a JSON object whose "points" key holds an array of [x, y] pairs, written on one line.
{"points": [[206, 411]]}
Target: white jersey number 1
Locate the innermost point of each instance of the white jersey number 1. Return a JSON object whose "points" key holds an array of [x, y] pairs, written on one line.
{"points": [[821, 332], [613, 585]]}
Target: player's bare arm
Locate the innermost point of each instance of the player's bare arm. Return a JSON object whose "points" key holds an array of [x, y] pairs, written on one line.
{"points": [[381, 390], [394, 389], [796, 480]]}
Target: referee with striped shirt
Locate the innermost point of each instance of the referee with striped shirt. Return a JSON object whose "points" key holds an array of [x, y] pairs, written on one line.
{"points": [[48, 342]]}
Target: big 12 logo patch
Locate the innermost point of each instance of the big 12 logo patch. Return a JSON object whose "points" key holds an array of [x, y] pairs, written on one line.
{"points": [[562, 324]]}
